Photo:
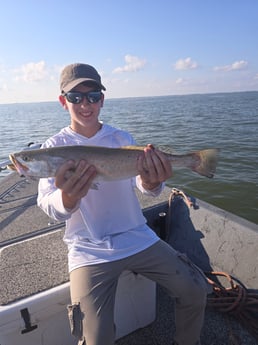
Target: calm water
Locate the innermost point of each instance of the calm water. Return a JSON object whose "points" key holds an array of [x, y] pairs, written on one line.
{"points": [[227, 120]]}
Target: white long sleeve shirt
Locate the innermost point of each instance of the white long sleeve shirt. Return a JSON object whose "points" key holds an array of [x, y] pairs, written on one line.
{"points": [[107, 224]]}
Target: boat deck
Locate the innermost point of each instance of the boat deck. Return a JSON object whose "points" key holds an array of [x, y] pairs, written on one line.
{"points": [[218, 329], [34, 258]]}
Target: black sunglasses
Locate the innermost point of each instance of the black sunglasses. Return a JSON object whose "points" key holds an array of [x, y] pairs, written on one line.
{"points": [[77, 97]]}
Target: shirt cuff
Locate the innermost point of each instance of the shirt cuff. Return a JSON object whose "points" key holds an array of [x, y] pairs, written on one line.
{"points": [[154, 192], [59, 206]]}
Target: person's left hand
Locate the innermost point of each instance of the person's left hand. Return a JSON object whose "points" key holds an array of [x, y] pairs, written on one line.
{"points": [[154, 167]]}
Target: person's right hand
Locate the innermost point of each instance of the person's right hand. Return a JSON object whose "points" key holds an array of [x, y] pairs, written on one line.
{"points": [[74, 185]]}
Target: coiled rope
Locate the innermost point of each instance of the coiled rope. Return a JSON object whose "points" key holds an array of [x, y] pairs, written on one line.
{"points": [[236, 300]]}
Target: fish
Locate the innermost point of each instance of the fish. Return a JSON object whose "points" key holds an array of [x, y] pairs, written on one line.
{"points": [[111, 163]]}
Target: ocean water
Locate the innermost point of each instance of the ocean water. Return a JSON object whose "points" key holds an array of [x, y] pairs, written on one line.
{"points": [[228, 121]]}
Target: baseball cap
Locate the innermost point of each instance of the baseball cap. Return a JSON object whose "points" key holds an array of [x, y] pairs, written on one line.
{"points": [[77, 73]]}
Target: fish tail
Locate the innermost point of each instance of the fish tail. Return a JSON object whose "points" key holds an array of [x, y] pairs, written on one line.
{"points": [[204, 162]]}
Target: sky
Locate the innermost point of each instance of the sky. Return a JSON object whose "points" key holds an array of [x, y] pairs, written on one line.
{"points": [[140, 47]]}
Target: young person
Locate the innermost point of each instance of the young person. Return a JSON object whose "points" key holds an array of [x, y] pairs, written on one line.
{"points": [[106, 232]]}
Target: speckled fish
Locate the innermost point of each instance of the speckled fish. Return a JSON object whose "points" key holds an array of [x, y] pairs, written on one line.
{"points": [[111, 163]]}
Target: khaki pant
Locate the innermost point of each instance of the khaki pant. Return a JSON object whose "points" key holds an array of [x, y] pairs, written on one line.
{"points": [[93, 291]]}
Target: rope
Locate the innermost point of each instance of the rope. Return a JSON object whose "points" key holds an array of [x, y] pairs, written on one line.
{"points": [[236, 300]]}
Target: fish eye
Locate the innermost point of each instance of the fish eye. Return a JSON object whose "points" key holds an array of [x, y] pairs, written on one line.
{"points": [[25, 158]]}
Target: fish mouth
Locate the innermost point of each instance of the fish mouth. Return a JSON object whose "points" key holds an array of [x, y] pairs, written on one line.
{"points": [[19, 167]]}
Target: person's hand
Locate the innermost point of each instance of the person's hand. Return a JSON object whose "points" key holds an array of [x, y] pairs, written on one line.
{"points": [[154, 167], [74, 185]]}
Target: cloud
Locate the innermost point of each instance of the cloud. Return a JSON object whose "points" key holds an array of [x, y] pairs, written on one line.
{"points": [[256, 76], [31, 72], [235, 66], [132, 64], [184, 64], [180, 81]]}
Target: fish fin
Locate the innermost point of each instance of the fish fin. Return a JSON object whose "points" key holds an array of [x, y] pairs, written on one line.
{"points": [[133, 147], [204, 162], [164, 148]]}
